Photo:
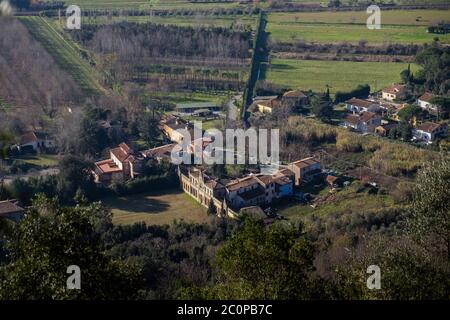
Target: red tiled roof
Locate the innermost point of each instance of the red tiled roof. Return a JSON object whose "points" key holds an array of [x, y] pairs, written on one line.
{"points": [[366, 116], [352, 118], [427, 96], [429, 126], [306, 162], [242, 183], [107, 166], [294, 94], [394, 89], [359, 102]]}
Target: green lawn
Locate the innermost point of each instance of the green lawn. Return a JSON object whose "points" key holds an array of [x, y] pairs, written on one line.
{"points": [[335, 27], [340, 75], [156, 208], [388, 17], [64, 52], [41, 160]]}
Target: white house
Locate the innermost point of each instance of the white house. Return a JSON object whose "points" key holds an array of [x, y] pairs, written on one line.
{"points": [[429, 131], [364, 122], [424, 102], [36, 140], [359, 105]]}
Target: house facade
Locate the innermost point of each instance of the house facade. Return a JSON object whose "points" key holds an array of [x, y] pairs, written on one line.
{"points": [[394, 92], [429, 132], [172, 128], [230, 196], [359, 105], [123, 164], [424, 102], [37, 141], [305, 170], [364, 123]]}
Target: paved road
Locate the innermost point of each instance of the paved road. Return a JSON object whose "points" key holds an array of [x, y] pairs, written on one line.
{"points": [[233, 110]]}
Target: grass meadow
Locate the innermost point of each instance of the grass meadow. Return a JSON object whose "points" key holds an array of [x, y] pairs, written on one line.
{"points": [[156, 208], [340, 75], [334, 27]]}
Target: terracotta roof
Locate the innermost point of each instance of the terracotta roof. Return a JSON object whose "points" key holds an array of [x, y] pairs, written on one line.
{"points": [[214, 184], [395, 88], [360, 102], [352, 118], [7, 207], [427, 96], [305, 162], [429, 126], [107, 166], [366, 116], [265, 179], [295, 94], [241, 183], [119, 154], [159, 151], [285, 172]]}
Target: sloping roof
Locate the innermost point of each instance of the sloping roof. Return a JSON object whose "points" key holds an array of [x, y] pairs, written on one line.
{"points": [[295, 94], [8, 207], [352, 118], [241, 183], [395, 88], [265, 179], [366, 116], [305, 162], [214, 184], [360, 102], [429, 126], [427, 96], [160, 151]]}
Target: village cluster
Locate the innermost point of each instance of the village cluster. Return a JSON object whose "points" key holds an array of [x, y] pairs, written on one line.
{"points": [[376, 115]]}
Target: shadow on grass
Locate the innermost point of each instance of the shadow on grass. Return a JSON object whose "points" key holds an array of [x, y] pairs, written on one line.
{"points": [[144, 203]]}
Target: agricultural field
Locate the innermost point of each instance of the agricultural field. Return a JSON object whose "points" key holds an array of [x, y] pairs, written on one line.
{"points": [[235, 21], [156, 208], [340, 75], [404, 27], [64, 52], [160, 5]]}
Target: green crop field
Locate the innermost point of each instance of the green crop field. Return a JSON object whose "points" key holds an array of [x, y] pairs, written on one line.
{"points": [[340, 75], [388, 17], [334, 27], [64, 52], [161, 4]]}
